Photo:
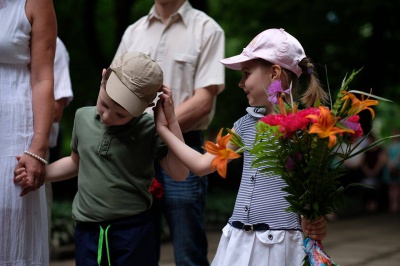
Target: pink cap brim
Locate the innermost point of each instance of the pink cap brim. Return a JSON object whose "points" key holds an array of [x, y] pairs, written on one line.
{"points": [[235, 62]]}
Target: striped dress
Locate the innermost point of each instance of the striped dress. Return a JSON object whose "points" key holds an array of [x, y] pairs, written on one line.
{"points": [[260, 200]]}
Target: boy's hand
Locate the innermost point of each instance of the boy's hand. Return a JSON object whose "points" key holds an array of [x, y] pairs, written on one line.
{"points": [[315, 229], [22, 179]]}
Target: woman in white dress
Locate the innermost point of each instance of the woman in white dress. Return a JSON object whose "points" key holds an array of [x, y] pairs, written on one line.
{"points": [[27, 45]]}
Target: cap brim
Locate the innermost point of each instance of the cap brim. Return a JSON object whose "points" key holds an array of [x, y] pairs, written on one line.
{"points": [[125, 97], [235, 62]]}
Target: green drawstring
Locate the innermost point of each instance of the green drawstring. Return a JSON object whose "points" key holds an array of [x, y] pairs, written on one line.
{"points": [[100, 246]]}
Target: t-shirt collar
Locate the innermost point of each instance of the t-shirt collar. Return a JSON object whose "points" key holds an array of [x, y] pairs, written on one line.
{"points": [[256, 112]]}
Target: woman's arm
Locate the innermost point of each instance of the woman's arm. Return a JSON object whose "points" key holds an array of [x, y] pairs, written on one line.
{"points": [[41, 15]]}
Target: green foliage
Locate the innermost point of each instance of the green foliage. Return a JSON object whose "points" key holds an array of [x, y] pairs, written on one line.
{"points": [[62, 225], [220, 203], [312, 185], [337, 36], [337, 106]]}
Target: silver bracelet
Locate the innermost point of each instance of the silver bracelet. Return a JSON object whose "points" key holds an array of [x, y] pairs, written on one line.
{"points": [[36, 157]]}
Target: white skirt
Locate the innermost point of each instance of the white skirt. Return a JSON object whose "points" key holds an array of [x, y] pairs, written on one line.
{"points": [[259, 248]]}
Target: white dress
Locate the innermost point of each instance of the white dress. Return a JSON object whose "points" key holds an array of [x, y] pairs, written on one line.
{"points": [[23, 220]]}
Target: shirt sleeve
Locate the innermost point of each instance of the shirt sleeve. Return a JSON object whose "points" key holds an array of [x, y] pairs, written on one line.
{"points": [[210, 70], [74, 139], [62, 79]]}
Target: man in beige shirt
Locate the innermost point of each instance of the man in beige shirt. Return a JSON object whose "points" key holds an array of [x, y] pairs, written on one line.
{"points": [[188, 45]]}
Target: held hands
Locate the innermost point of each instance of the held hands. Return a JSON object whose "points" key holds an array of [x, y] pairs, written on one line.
{"points": [[164, 110], [29, 174], [316, 229]]}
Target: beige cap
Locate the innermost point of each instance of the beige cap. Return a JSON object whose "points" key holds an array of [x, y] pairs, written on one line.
{"points": [[134, 81]]}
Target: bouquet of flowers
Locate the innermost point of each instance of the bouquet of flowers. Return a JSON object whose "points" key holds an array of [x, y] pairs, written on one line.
{"points": [[313, 143]]}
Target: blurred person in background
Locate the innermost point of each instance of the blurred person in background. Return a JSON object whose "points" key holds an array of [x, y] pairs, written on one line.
{"points": [[63, 95], [372, 169], [392, 175]]}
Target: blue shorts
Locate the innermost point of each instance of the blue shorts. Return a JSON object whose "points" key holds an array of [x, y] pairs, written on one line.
{"points": [[126, 241]]}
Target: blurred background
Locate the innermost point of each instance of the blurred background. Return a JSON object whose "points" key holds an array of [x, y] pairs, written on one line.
{"points": [[339, 36]]}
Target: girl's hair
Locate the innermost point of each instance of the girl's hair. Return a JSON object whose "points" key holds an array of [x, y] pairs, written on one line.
{"points": [[314, 89]]}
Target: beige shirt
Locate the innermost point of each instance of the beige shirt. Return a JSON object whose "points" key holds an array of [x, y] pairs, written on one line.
{"points": [[188, 50]]}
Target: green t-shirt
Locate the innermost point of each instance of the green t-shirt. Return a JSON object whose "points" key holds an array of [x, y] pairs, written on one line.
{"points": [[115, 167]]}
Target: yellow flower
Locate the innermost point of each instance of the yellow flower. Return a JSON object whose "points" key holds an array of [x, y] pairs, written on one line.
{"points": [[357, 105], [325, 127], [222, 153]]}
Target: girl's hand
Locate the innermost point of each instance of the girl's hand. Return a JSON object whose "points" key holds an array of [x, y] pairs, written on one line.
{"points": [[164, 110], [316, 229]]}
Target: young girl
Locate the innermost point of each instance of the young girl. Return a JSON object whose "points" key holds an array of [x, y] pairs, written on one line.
{"points": [[260, 232]]}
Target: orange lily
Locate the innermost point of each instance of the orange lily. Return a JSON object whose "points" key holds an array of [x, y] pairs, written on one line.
{"points": [[325, 126], [357, 105], [222, 153]]}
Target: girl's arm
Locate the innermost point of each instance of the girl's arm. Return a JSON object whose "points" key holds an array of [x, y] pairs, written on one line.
{"points": [[170, 163], [199, 164], [62, 169]]}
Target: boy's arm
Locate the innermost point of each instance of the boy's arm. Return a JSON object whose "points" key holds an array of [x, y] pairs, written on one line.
{"points": [[169, 130], [62, 169]]}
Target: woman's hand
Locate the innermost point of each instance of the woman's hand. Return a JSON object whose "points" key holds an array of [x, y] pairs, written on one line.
{"points": [[35, 172]]}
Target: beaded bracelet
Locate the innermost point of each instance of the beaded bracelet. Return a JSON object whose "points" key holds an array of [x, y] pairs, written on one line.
{"points": [[36, 157]]}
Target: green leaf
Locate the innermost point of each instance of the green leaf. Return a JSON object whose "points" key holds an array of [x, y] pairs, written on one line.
{"points": [[371, 95], [338, 103]]}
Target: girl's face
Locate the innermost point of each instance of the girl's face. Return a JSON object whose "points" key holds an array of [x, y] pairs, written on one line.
{"points": [[255, 81], [111, 113]]}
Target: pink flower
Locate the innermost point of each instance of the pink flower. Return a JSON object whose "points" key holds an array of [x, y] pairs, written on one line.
{"points": [[275, 91], [289, 124], [353, 123]]}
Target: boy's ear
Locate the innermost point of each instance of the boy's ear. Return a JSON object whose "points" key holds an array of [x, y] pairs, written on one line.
{"points": [[276, 71], [103, 73]]}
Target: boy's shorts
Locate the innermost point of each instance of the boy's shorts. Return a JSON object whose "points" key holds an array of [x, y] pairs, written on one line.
{"points": [[126, 241]]}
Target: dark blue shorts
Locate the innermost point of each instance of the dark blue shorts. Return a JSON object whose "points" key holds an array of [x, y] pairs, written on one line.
{"points": [[126, 241]]}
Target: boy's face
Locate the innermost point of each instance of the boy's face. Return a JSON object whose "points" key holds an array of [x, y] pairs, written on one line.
{"points": [[111, 113]]}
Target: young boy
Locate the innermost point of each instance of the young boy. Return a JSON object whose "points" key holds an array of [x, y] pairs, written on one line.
{"points": [[114, 146]]}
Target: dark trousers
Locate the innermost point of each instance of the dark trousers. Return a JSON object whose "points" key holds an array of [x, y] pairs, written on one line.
{"points": [[127, 241]]}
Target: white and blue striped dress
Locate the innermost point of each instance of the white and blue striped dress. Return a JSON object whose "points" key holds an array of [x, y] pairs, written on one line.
{"points": [[260, 200]]}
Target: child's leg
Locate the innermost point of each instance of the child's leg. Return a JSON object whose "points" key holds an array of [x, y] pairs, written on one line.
{"points": [[86, 244], [132, 241]]}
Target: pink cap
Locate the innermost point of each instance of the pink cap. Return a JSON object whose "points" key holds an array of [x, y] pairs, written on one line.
{"points": [[273, 45]]}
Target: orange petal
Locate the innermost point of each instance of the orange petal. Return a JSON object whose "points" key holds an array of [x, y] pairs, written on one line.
{"points": [[211, 147]]}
